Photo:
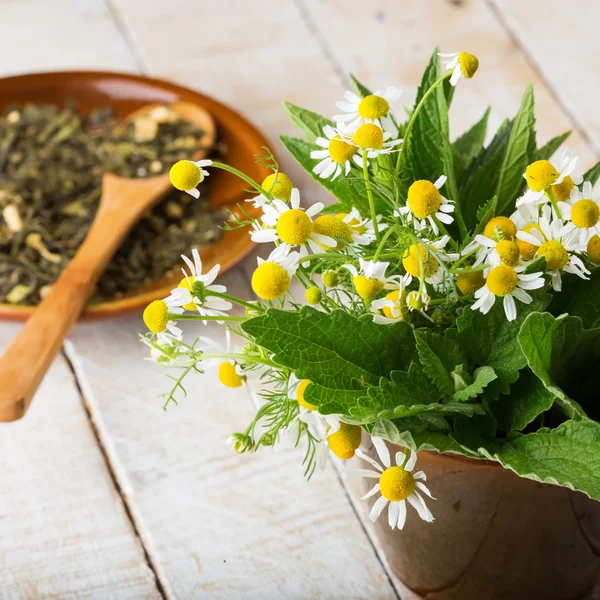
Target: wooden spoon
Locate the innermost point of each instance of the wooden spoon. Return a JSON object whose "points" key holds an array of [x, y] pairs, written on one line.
{"points": [[123, 202]]}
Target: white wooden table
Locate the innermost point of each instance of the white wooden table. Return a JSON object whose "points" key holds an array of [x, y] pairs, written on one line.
{"points": [[102, 494]]}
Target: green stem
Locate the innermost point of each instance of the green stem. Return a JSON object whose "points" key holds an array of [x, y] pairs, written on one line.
{"points": [[370, 195], [198, 317], [456, 271], [234, 300], [554, 203], [241, 358], [464, 257], [438, 301], [238, 173], [384, 239]]}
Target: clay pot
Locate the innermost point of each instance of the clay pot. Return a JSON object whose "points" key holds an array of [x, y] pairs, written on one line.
{"points": [[495, 536]]}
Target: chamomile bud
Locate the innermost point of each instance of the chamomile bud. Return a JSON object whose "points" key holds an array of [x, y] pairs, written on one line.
{"points": [[540, 175], [593, 249], [500, 228], [229, 376], [270, 281], [156, 316], [417, 300], [313, 295], [280, 186], [241, 442], [469, 282], [331, 278], [345, 441], [185, 175]]}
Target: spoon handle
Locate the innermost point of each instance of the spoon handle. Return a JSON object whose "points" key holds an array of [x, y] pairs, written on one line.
{"points": [[25, 362]]}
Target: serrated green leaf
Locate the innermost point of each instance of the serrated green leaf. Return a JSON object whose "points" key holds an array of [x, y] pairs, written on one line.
{"points": [[481, 378], [528, 398], [486, 212], [482, 176], [449, 90], [519, 153], [592, 174], [547, 344], [474, 432], [548, 149], [580, 298], [361, 90], [568, 456], [469, 145], [310, 123], [491, 340], [340, 354], [439, 356], [538, 265]]}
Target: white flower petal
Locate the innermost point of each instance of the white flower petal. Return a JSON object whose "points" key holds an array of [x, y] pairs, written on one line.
{"points": [[377, 508]]}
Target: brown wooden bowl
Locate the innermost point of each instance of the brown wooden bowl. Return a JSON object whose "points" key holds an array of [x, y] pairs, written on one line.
{"points": [[126, 93]]}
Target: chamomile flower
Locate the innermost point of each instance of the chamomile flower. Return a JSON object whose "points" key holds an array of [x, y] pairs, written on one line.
{"points": [[370, 109], [292, 225], [507, 283], [427, 254], [551, 242], [426, 206], [196, 290], [463, 64], [231, 373], [394, 305], [337, 156], [273, 276], [370, 278], [363, 230], [322, 425], [396, 485], [156, 317], [582, 211], [186, 175], [372, 140], [542, 175]]}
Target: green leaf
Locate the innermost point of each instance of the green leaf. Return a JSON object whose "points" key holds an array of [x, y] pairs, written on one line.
{"points": [[528, 398], [580, 298], [340, 354], [439, 356], [519, 153], [491, 340], [486, 212], [361, 90], [548, 149], [547, 344], [468, 145], [592, 174], [466, 391], [568, 456], [309, 122], [428, 147], [483, 175], [538, 265]]}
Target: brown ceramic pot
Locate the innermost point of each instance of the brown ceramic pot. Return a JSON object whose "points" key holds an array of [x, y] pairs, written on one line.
{"points": [[495, 536]]}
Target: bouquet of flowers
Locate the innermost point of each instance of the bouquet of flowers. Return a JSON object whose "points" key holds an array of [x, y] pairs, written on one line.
{"points": [[451, 298]]}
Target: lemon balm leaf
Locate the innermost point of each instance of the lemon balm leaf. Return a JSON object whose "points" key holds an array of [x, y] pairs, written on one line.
{"points": [[548, 149], [467, 391], [361, 89], [469, 144], [592, 174], [309, 122]]}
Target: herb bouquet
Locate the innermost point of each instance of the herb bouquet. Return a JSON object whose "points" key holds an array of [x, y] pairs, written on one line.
{"points": [[453, 298]]}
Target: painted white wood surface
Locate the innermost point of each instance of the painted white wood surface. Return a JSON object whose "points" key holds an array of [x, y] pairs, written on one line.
{"points": [[216, 525]]}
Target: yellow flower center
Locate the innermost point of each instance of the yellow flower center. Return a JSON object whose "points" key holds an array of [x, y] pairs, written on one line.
{"points": [[228, 375], [502, 280], [270, 281], [340, 151], [500, 228], [424, 199], [333, 227], [469, 283], [353, 223], [344, 442], [528, 250], [410, 261], [585, 214], [593, 249], [294, 227], [562, 191], [367, 288], [508, 252], [469, 64], [396, 484], [280, 188], [369, 137], [556, 255], [186, 284], [373, 107], [313, 295], [156, 316], [540, 175], [300, 395], [185, 175], [396, 298]]}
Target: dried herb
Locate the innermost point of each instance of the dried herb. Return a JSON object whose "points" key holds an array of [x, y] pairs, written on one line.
{"points": [[51, 166]]}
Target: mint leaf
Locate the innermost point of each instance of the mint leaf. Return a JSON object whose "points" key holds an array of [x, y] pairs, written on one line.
{"points": [[439, 356], [309, 122], [486, 212], [568, 456], [592, 174], [580, 298], [469, 144], [361, 90], [548, 149], [519, 153], [466, 391], [491, 340], [340, 354]]}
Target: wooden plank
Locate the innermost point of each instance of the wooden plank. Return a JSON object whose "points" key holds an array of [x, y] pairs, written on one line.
{"points": [[561, 41], [64, 531]]}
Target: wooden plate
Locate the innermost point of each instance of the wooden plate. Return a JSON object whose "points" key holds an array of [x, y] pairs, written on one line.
{"points": [[126, 93]]}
